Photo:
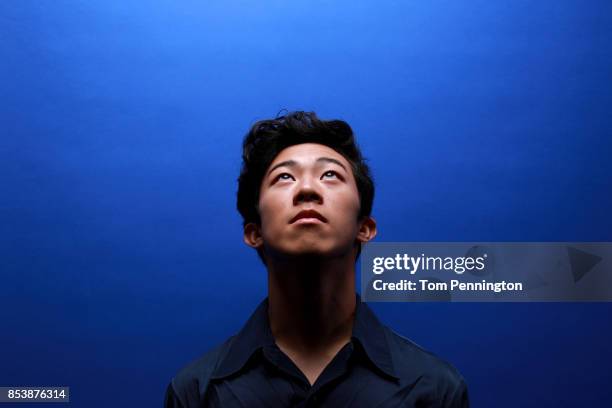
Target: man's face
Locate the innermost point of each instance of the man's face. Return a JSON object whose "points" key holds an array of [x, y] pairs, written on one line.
{"points": [[308, 203]]}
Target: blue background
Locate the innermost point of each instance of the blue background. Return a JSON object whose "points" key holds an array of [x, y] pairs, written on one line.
{"points": [[121, 124]]}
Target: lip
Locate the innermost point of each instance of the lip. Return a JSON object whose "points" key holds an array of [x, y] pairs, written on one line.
{"points": [[308, 221], [308, 217]]}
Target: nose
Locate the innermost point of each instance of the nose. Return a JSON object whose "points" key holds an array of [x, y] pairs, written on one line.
{"points": [[307, 192]]}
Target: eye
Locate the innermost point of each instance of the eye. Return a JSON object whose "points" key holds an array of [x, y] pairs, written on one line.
{"points": [[284, 176], [330, 174]]}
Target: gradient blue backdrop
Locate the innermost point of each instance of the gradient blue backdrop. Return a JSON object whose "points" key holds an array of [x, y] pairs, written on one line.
{"points": [[121, 124]]}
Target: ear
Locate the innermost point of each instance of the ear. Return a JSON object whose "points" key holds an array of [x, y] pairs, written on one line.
{"points": [[367, 230], [252, 235]]}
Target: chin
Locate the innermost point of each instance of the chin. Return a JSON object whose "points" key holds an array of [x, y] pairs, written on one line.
{"points": [[309, 250], [314, 250], [309, 247]]}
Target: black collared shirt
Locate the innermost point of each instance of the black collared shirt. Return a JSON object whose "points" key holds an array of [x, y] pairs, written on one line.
{"points": [[377, 368]]}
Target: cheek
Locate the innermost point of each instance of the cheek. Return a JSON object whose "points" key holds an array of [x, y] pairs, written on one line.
{"points": [[271, 208], [350, 200], [345, 207]]}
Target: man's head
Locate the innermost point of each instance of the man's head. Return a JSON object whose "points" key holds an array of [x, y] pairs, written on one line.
{"points": [[304, 188]]}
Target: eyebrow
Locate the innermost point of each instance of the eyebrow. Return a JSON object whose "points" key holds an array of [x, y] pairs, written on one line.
{"points": [[293, 163], [330, 160]]}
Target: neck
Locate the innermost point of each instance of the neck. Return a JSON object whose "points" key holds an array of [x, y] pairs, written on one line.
{"points": [[311, 302]]}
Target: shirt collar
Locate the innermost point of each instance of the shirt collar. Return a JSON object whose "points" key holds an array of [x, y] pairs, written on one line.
{"points": [[370, 332], [256, 334]]}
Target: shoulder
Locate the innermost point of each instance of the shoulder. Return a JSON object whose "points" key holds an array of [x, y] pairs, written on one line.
{"points": [[189, 385], [414, 363]]}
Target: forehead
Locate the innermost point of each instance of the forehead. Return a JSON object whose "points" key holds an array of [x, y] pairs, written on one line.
{"points": [[308, 153]]}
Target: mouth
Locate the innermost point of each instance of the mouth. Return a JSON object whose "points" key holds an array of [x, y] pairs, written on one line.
{"points": [[308, 217]]}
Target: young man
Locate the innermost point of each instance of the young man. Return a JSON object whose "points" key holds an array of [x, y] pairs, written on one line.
{"points": [[305, 194]]}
